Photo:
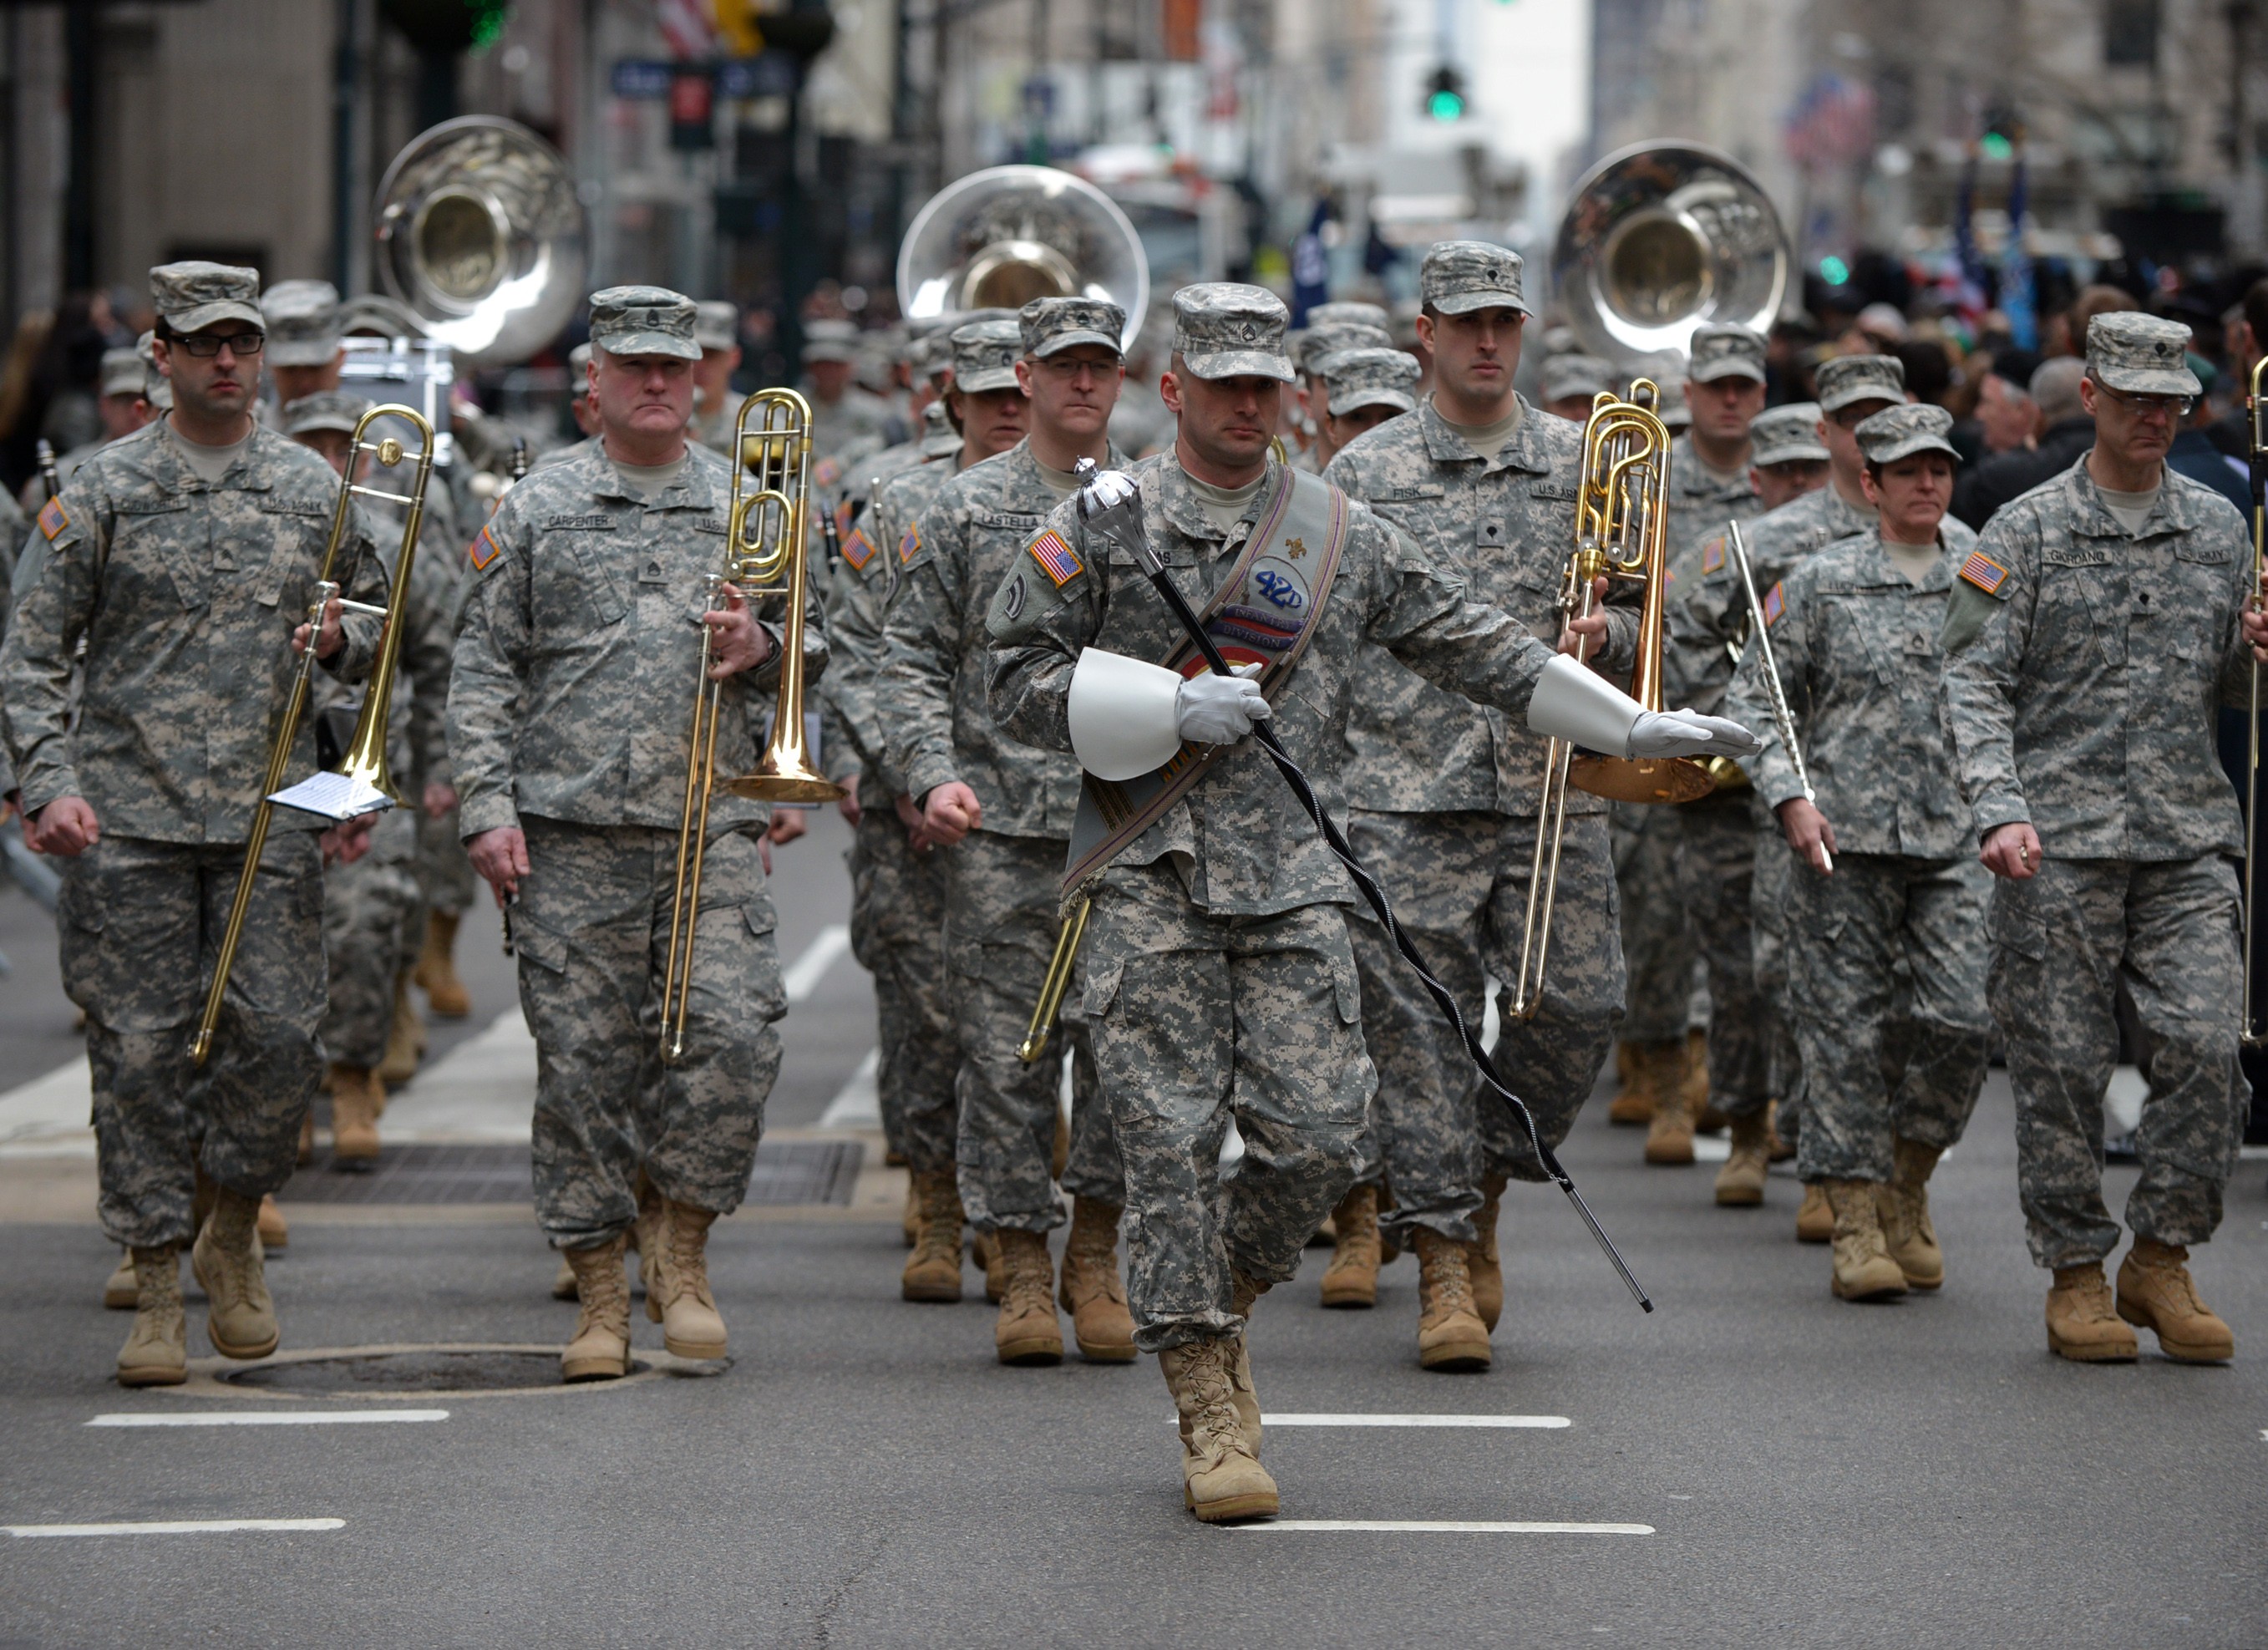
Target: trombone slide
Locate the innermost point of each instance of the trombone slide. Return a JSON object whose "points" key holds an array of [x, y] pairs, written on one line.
{"points": [[1057, 985], [1782, 716]]}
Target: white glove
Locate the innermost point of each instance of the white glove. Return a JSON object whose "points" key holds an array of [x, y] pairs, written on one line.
{"points": [[1217, 709], [1689, 733]]}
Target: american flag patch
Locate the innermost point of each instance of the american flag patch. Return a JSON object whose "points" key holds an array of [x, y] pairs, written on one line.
{"points": [[1982, 571], [858, 550], [1775, 604], [1712, 555], [909, 546], [1060, 562], [827, 474], [53, 519], [483, 549]]}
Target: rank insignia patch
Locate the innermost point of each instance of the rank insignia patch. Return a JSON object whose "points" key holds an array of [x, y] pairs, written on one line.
{"points": [[53, 519], [858, 549], [1982, 571], [1057, 558]]}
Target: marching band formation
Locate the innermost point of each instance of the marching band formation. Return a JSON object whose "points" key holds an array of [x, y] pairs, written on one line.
{"points": [[1215, 769]]}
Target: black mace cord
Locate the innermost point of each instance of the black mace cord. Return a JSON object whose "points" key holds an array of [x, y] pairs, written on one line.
{"points": [[1375, 897]]}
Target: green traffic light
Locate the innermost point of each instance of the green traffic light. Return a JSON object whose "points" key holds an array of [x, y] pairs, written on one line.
{"points": [[1446, 106]]}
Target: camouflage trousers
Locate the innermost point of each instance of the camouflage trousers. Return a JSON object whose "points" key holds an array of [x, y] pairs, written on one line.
{"points": [[1880, 1067], [1658, 945], [446, 882], [1197, 1017], [897, 923], [2063, 942], [139, 928], [1716, 865], [1000, 927], [370, 909], [592, 929], [1768, 943], [1459, 886]]}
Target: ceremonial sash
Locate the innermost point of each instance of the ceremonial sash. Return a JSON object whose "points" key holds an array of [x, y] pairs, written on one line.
{"points": [[1264, 613]]}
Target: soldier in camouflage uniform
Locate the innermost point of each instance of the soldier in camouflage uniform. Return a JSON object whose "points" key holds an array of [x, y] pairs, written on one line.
{"points": [[123, 408], [1002, 812], [1444, 797], [1365, 387], [1570, 384], [1219, 980], [717, 329], [192, 542], [2092, 634], [847, 423], [568, 730], [1330, 329], [897, 881], [371, 907], [1887, 887]]}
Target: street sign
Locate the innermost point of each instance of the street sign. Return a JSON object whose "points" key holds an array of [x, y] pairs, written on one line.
{"points": [[650, 80]]}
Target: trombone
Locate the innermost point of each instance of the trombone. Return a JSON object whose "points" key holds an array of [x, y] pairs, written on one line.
{"points": [[1622, 527], [1773, 689], [2254, 1033], [363, 784], [766, 544], [1057, 983]]}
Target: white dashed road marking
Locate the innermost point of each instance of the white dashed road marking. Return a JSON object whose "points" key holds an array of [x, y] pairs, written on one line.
{"points": [[267, 1417], [182, 1527], [825, 950], [1444, 1526], [1552, 1421]]}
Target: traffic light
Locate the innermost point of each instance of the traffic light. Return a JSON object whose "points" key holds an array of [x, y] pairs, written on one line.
{"points": [[1445, 95], [736, 21], [446, 26]]}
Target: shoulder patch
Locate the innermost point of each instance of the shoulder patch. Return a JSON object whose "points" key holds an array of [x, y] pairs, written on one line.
{"points": [[1712, 555], [909, 546], [829, 472], [1982, 571], [843, 513], [1775, 604], [484, 548], [53, 517], [858, 549], [1057, 558]]}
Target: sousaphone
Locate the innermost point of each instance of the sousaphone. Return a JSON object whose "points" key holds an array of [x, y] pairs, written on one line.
{"points": [[999, 238]]}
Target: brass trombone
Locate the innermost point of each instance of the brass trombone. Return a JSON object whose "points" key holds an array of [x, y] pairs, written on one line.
{"points": [[1622, 526], [363, 784], [2254, 1033], [766, 543], [1057, 983]]}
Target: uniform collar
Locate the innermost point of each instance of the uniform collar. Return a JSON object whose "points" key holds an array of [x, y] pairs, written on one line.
{"points": [[2177, 510], [1184, 512], [161, 460], [1524, 452], [1691, 477], [696, 486], [1880, 569]]}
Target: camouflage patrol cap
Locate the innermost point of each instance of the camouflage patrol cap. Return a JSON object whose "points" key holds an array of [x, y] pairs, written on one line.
{"points": [[1405, 322], [1226, 329], [1786, 435], [122, 373], [375, 316], [2142, 354], [939, 439], [1846, 379], [1567, 376], [1725, 351], [190, 296], [1349, 313], [157, 389], [303, 322], [1459, 277], [984, 355], [1053, 324], [644, 320], [325, 409], [1379, 377], [716, 324], [1312, 348], [578, 368], [827, 339], [1900, 432]]}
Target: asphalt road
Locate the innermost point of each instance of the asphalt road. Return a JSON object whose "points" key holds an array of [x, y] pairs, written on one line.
{"points": [[1922, 1472]]}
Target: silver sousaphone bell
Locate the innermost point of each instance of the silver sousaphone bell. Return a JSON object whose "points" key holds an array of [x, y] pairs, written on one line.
{"points": [[999, 238]]}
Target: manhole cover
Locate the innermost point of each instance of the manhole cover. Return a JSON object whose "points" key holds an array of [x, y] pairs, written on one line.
{"points": [[468, 1371], [786, 1172]]}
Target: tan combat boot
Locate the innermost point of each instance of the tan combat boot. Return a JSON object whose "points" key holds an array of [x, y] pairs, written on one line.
{"points": [[226, 1258], [1222, 1479], [354, 1117], [1814, 1221], [562, 1281], [645, 1237], [934, 1270], [157, 1350], [1864, 1269], [984, 1249], [1707, 1118], [1351, 1280], [1451, 1336], [2083, 1323], [120, 1291], [910, 1219], [1632, 1106], [2156, 1293], [275, 1234], [437, 969], [1741, 1182], [1244, 1293], [1480, 1262], [405, 1039], [1669, 1137], [1091, 1290], [677, 1281], [600, 1348], [1027, 1331], [1906, 1226]]}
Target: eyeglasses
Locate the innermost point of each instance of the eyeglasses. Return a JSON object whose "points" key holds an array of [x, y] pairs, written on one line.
{"points": [[2149, 406], [205, 345]]}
